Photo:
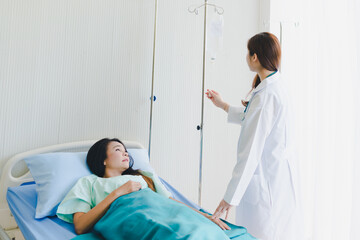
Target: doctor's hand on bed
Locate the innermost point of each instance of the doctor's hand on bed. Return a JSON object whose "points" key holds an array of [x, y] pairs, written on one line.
{"points": [[217, 221], [223, 207], [217, 100]]}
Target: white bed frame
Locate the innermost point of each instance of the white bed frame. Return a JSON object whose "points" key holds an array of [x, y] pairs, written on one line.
{"points": [[7, 180]]}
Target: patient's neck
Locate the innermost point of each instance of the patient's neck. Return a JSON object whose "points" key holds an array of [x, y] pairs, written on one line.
{"points": [[112, 173]]}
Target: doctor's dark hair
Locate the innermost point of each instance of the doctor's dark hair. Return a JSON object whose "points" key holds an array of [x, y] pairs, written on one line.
{"points": [[97, 155], [268, 51]]}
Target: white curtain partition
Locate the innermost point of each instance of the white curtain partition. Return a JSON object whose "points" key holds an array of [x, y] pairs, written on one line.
{"points": [[321, 65]]}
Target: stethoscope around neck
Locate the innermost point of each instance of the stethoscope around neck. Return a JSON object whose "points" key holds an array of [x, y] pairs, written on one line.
{"points": [[254, 94]]}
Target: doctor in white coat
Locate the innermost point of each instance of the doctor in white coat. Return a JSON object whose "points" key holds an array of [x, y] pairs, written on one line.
{"points": [[264, 180]]}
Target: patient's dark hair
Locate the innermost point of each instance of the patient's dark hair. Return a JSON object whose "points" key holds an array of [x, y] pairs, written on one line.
{"points": [[97, 154]]}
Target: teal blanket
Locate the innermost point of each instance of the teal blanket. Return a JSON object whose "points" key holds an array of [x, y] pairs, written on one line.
{"points": [[147, 215]]}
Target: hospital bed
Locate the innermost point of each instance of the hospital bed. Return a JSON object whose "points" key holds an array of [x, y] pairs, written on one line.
{"points": [[20, 195]]}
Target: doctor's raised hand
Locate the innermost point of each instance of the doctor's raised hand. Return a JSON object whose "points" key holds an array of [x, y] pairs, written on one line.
{"points": [[217, 100]]}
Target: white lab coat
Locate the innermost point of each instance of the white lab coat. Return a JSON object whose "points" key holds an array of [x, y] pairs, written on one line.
{"points": [[264, 181]]}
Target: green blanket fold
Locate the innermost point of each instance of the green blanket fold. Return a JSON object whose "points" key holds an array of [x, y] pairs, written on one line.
{"points": [[147, 215]]}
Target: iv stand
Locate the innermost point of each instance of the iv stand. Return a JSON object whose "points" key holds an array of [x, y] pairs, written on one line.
{"points": [[153, 98], [220, 11]]}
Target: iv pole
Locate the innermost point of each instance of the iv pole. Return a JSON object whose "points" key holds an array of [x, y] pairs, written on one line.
{"points": [[220, 11], [202, 105], [153, 98]]}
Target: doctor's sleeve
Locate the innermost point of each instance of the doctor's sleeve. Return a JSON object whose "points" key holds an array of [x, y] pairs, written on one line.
{"points": [[250, 148], [235, 114]]}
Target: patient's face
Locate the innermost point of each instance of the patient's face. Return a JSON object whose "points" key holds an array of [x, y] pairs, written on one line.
{"points": [[117, 157]]}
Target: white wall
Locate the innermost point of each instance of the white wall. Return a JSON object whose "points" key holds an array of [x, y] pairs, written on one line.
{"points": [[74, 70], [175, 143], [356, 191], [264, 15]]}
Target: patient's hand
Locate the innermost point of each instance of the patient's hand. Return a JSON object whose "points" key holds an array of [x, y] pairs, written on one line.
{"points": [[83, 222], [128, 187]]}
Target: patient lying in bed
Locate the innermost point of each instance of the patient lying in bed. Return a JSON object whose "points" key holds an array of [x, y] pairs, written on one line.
{"points": [[120, 202]]}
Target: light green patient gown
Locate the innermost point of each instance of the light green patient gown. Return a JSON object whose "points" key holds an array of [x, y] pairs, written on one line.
{"points": [[91, 190]]}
